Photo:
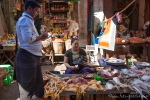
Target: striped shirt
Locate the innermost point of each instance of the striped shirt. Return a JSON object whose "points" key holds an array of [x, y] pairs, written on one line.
{"points": [[27, 34]]}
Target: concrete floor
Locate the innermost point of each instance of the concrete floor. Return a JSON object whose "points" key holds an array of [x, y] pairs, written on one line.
{"points": [[11, 92]]}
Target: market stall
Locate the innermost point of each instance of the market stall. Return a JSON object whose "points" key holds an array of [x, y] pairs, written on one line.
{"points": [[58, 23], [8, 48], [107, 81]]}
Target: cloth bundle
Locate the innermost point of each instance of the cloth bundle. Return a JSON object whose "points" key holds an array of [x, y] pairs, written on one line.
{"points": [[81, 60]]}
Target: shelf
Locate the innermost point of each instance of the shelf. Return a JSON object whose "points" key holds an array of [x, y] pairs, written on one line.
{"points": [[61, 1], [58, 2], [59, 22], [59, 11]]}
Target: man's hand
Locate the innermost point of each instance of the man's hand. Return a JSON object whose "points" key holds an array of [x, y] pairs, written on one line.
{"points": [[44, 36]]}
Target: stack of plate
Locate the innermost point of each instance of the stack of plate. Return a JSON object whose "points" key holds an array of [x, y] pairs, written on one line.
{"points": [[141, 65], [115, 62]]}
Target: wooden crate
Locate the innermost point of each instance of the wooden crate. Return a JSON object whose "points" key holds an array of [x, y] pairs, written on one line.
{"points": [[2, 71], [10, 47], [1, 82], [89, 97], [105, 97]]}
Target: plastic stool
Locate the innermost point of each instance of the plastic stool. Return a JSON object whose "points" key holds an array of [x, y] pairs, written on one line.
{"points": [[7, 67], [9, 77]]}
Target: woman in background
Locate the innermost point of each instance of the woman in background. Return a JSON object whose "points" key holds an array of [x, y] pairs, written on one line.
{"points": [[146, 27], [72, 54]]}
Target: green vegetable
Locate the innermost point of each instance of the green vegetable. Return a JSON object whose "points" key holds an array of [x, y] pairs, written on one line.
{"points": [[98, 78]]}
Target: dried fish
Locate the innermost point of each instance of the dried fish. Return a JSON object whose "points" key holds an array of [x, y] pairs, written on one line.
{"points": [[117, 80], [139, 90], [145, 78], [109, 86], [136, 81], [144, 88]]}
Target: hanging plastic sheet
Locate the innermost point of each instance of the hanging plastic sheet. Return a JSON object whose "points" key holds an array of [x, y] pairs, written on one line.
{"points": [[101, 33], [107, 40]]}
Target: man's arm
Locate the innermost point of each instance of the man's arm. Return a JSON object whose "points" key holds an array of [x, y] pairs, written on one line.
{"points": [[28, 34]]}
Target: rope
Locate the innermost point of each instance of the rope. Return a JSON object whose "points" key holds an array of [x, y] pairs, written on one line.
{"points": [[126, 8], [130, 12]]}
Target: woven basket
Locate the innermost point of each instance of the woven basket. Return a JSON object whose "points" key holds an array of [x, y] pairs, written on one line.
{"points": [[68, 45], [58, 47]]}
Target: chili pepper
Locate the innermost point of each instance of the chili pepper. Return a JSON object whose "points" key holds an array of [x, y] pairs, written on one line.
{"points": [[107, 76]]}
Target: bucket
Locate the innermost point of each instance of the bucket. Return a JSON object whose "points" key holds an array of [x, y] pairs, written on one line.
{"points": [[58, 47], [68, 44]]}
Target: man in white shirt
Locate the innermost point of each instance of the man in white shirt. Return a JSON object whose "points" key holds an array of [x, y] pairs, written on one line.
{"points": [[27, 65]]}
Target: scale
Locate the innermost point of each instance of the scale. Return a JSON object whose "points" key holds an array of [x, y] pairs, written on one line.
{"points": [[92, 53]]}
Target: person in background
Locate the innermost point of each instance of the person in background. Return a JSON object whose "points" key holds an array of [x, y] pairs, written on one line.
{"points": [[126, 35], [38, 23], [126, 31], [146, 27], [126, 19], [71, 55], [27, 64]]}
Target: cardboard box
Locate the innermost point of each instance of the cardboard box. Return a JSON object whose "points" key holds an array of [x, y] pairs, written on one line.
{"points": [[2, 71], [1, 82]]}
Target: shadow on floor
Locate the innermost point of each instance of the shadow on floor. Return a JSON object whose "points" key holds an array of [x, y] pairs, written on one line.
{"points": [[11, 92]]}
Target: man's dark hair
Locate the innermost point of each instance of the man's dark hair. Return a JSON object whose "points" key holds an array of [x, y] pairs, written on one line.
{"points": [[32, 3], [125, 25], [74, 39]]}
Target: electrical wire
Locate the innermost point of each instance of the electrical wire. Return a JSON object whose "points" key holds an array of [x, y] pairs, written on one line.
{"points": [[131, 11]]}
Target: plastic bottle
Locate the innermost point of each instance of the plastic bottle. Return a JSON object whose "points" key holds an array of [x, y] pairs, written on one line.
{"points": [[129, 62]]}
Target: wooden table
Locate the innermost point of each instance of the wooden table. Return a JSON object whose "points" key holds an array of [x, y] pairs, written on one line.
{"points": [[98, 95], [121, 51], [1, 55], [91, 94], [8, 58]]}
